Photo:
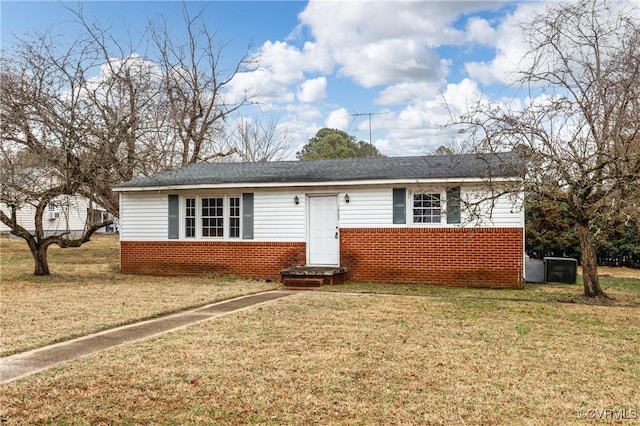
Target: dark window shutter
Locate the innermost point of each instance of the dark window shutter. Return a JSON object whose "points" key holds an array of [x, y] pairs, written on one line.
{"points": [[399, 205], [453, 205], [247, 216], [174, 219]]}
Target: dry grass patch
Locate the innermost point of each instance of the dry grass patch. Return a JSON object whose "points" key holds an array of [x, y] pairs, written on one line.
{"points": [[323, 358], [618, 272], [86, 293], [622, 291]]}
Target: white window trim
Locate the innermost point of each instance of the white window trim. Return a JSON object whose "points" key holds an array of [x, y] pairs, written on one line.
{"points": [[443, 209], [198, 218], [183, 217]]}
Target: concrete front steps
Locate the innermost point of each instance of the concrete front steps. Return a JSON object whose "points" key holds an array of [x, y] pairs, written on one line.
{"points": [[309, 277]]}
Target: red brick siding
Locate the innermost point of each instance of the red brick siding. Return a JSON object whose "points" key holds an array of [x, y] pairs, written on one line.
{"points": [[246, 258], [487, 257]]}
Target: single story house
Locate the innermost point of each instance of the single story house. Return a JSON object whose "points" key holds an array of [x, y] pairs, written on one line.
{"points": [[395, 219]]}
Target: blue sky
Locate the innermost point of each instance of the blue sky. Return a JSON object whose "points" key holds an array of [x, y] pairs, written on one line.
{"points": [[324, 61]]}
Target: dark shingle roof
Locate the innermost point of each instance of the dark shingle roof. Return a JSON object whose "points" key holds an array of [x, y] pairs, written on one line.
{"points": [[338, 170]]}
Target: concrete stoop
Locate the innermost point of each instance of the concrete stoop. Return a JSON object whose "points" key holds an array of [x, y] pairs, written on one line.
{"points": [[309, 277]]}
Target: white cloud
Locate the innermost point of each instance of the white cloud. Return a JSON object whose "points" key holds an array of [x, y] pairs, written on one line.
{"points": [[484, 72], [410, 143], [403, 93], [381, 43], [301, 122], [281, 66], [356, 23], [511, 49], [313, 90], [307, 112], [391, 61], [480, 30], [423, 125], [260, 86], [338, 119], [396, 47], [511, 46]]}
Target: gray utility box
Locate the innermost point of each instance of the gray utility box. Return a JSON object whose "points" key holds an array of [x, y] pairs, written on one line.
{"points": [[560, 270], [551, 270], [534, 271]]}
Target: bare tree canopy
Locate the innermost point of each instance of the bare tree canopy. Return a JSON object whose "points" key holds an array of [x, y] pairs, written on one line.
{"points": [[579, 131], [258, 140], [95, 111]]}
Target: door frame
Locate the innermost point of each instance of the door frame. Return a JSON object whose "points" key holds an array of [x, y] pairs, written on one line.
{"points": [[308, 228]]}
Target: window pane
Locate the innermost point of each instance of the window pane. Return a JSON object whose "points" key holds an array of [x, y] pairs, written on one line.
{"points": [[190, 218], [426, 208], [234, 217], [212, 217]]}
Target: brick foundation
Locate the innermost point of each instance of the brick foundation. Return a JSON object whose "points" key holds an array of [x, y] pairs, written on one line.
{"points": [[246, 258], [487, 257]]}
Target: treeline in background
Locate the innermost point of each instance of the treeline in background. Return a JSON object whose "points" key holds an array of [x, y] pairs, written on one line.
{"points": [[550, 232]]}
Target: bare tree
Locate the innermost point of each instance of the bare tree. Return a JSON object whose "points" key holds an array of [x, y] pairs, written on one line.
{"points": [[43, 126], [579, 134], [93, 113], [194, 83], [258, 140], [164, 112]]}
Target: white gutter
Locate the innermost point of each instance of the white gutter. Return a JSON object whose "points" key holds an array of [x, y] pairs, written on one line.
{"points": [[309, 184]]}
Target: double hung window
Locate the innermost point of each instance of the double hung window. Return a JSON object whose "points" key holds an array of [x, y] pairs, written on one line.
{"points": [[212, 217], [234, 217], [427, 208], [190, 218]]}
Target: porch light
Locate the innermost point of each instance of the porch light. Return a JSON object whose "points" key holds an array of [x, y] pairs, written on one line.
{"points": [[296, 200], [346, 198]]}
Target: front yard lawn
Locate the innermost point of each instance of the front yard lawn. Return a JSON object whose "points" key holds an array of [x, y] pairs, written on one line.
{"points": [[86, 293], [424, 355], [330, 358]]}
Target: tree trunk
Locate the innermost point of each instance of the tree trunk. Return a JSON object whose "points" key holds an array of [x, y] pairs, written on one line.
{"points": [[589, 263], [39, 253]]}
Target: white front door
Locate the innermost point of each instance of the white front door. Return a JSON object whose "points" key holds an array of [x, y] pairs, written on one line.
{"points": [[323, 240]]}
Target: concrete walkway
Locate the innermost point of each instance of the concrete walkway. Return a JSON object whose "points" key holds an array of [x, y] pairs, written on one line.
{"points": [[24, 364]]}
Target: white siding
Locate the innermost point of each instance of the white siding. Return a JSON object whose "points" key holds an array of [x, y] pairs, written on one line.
{"points": [[373, 207], [504, 212], [144, 217], [71, 216], [367, 208], [277, 217], [24, 216]]}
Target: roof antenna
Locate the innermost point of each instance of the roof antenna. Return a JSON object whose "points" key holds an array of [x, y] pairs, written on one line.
{"points": [[369, 114]]}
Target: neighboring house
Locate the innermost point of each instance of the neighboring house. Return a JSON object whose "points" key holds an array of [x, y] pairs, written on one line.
{"points": [[396, 219], [65, 214]]}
